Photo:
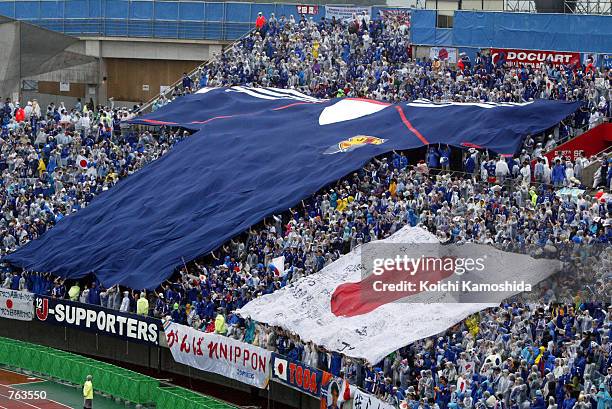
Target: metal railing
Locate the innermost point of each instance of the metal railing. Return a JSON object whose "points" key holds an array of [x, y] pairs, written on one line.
{"points": [[568, 6], [189, 30], [520, 6], [588, 6]]}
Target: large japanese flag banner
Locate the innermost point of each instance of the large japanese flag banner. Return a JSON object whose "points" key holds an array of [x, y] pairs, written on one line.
{"points": [[16, 305], [338, 309], [219, 354]]}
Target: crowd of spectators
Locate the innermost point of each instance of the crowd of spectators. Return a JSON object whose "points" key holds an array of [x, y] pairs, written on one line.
{"points": [[516, 356], [371, 58], [54, 161], [373, 203]]}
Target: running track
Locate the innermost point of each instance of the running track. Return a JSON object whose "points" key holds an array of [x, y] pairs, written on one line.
{"points": [[7, 379]]}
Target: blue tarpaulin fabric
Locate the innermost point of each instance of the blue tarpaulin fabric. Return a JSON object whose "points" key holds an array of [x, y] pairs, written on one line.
{"points": [[256, 152], [532, 31]]}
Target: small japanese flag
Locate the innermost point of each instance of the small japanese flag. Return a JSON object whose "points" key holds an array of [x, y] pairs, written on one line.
{"points": [[461, 384], [280, 368], [278, 266], [81, 162]]}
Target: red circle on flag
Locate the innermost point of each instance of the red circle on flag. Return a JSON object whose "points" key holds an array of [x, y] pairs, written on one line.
{"points": [[9, 304], [280, 368], [83, 163], [443, 54]]}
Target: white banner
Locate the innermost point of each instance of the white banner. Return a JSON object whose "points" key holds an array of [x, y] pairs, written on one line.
{"points": [[588, 58], [16, 305], [346, 12], [219, 354], [444, 54], [305, 307], [364, 400]]}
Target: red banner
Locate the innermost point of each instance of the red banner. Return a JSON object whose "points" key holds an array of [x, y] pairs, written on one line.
{"points": [[531, 57], [589, 143]]}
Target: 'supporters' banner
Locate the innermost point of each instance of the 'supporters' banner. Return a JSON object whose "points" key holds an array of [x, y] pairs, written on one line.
{"points": [[219, 354]]}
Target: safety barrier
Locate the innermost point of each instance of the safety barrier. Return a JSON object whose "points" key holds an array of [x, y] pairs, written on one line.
{"points": [[181, 398], [109, 379]]}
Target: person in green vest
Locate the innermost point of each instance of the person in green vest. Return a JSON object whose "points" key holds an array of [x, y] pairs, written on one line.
{"points": [[142, 305], [88, 392], [533, 195], [220, 325], [74, 292]]}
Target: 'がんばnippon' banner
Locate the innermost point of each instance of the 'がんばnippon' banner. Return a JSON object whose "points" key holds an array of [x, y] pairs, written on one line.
{"points": [[16, 305], [218, 354]]}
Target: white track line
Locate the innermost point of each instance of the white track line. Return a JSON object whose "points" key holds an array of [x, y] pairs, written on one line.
{"points": [[26, 383], [21, 402]]}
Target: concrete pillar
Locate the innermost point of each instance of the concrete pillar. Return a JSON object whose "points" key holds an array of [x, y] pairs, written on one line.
{"points": [[94, 48], [102, 93]]}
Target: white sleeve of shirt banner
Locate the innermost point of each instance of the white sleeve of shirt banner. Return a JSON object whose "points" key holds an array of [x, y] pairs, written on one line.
{"points": [[219, 354]]}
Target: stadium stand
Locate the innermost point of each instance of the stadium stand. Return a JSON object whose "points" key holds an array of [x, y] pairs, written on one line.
{"points": [[553, 352]]}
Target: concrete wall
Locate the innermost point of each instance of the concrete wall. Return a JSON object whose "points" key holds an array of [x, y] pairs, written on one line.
{"points": [[130, 80], [126, 64], [125, 78], [123, 66], [447, 7], [496, 5], [156, 362], [10, 70], [152, 49], [83, 74]]}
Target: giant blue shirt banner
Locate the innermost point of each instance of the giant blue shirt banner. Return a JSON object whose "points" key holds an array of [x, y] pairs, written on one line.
{"points": [[257, 151]]}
